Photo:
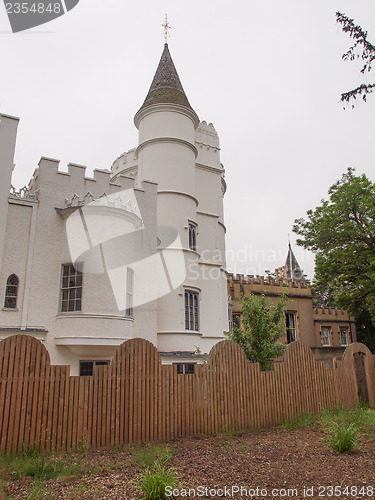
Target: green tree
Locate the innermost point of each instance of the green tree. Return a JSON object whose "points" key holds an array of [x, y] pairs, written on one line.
{"points": [[361, 48], [341, 233], [262, 325]]}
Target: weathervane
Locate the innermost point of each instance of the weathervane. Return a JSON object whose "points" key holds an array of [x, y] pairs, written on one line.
{"points": [[166, 29]]}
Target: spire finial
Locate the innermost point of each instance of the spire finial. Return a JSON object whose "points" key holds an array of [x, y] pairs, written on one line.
{"points": [[166, 27]]}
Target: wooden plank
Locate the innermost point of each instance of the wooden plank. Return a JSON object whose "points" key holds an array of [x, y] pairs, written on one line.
{"points": [[34, 411], [41, 402], [29, 372], [5, 368], [21, 397], [147, 372]]}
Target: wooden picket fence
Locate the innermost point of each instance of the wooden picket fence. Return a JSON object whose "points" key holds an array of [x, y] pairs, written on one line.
{"points": [[137, 398]]}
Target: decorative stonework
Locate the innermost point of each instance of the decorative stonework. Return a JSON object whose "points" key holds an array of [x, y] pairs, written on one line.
{"points": [[24, 193], [103, 201]]}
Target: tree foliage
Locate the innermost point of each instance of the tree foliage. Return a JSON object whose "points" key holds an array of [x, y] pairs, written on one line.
{"points": [[341, 233], [361, 49], [262, 326]]}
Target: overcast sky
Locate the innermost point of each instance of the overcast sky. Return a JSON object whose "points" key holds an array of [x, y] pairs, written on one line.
{"points": [[268, 75]]}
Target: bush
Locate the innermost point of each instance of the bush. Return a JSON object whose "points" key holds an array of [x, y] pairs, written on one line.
{"points": [[342, 438], [155, 479]]}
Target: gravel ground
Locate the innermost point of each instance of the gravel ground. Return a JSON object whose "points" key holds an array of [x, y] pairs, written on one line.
{"points": [[274, 463]]}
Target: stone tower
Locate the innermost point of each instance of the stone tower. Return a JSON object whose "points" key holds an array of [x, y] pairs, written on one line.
{"points": [[181, 154]]}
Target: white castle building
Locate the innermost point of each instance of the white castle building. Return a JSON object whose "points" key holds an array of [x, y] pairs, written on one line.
{"points": [[135, 251]]}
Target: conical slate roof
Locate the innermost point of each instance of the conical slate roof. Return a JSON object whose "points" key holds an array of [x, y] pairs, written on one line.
{"points": [[293, 270], [166, 86]]}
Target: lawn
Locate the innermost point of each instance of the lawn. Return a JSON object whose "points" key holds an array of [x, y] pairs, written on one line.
{"points": [[305, 458]]}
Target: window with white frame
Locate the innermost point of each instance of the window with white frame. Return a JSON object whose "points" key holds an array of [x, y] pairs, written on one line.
{"points": [[326, 341], [290, 322], [86, 368], [71, 289], [11, 292], [129, 291], [192, 236], [344, 336], [191, 310], [185, 368]]}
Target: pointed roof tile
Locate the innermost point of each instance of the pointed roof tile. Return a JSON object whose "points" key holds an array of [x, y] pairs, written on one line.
{"points": [[166, 86]]}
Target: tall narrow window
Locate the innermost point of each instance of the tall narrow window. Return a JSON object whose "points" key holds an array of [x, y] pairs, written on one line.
{"points": [[230, 313], [237, 320], [344, 336], [192, 236], [191, 310], [71, 289], [11, 292], [326, 336], [290, 321], [129, 291]]}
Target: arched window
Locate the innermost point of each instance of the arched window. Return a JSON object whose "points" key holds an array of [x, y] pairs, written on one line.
{"points": [[11, 292]]}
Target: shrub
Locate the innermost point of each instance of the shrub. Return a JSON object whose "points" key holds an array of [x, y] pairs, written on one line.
{"points": [[342, 438], [155, 479]]}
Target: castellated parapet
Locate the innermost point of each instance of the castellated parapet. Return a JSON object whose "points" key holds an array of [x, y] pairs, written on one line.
{"points": [[73, 187], [323, 312]]}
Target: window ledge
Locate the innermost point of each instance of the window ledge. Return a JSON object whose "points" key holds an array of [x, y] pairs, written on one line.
{"points": [[15, 309]]}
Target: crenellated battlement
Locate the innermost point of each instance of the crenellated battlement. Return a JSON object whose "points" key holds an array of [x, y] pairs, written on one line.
{"points": [[331, 311], [251, 279], [206, 135], [72, 187], [126, 162]]}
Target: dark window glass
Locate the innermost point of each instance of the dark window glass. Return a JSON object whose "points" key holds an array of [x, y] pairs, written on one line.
{"points": [[11, 292], [71, 289], [192, 236], [86, 368], [185, 368], [191, 310]]}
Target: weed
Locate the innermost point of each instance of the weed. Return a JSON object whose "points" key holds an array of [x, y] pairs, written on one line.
{"points": [[304, 421], [36, 467], [342, 438], [155, 479], [233, 434], [39, 467], [83, 447], [37, 491], [149, 455]]}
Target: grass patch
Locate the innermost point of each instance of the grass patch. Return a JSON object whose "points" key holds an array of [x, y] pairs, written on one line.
{"points": [[304, 421], [39, 467], [154, 481], [149, 455], [342, 437]]}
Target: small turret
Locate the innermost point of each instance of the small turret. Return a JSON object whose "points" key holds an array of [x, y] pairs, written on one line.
{"points": [[293, 269]]}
